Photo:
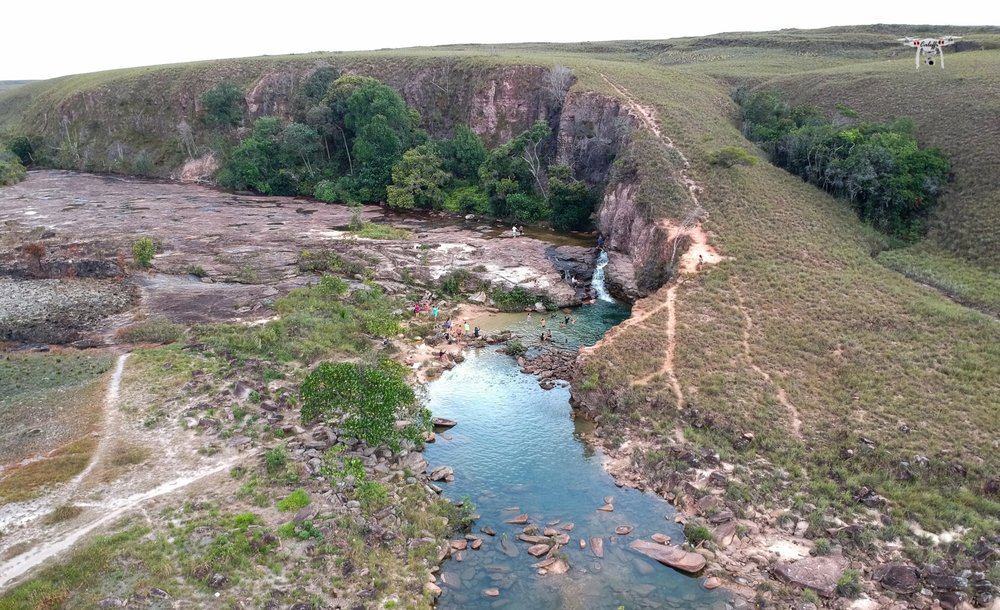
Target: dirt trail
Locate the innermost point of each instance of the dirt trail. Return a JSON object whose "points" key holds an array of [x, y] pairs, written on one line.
{"points": [[698, 254], [795, 420], [104, 493]]}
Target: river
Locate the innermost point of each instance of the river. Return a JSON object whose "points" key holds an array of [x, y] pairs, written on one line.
{"points": [[517, 450]]}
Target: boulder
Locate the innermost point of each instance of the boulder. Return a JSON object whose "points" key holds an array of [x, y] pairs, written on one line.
{"points": [[898, 577], [673, 556], [623, 530], [441, 473], [493, 592], [712, 583], [817, 573]]}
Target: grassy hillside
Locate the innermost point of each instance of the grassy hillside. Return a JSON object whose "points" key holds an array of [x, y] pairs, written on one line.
{"points": [[801, 310]]}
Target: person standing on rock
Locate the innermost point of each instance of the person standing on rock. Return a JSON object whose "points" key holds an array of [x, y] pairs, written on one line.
{"points": [[434, 312], [465, 328], [476, 332]]}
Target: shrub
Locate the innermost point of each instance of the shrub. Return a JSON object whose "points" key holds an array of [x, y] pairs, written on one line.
{"points": [[275, 459], [451, 282], [223, 105], [371, 396], [822, 547], [373, 496], [696, 534], [730, 156], [11, 170], [294, 501], [849, 583], [467, 200], [515, 348], [143, 251], [515, 299]]}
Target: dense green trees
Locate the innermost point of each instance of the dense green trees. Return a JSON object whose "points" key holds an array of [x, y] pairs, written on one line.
{"points": [[890, 181], [223, 105], [354, 139]]}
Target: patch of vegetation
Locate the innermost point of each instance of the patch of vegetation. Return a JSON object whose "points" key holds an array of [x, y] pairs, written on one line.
{"points": [[143, 251], [294, 501], [730, 156], [25, 482], [151, 331], [849, 583], [61, 514], [890, 181], [515, 299], [11, 170], [372, 397], [696, 534], [371, 230]]}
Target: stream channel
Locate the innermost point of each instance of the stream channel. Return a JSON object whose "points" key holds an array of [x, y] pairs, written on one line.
{"points": [[516, 450]]}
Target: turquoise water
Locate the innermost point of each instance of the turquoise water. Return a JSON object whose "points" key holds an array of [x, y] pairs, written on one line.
{"points": [[517, 450]]}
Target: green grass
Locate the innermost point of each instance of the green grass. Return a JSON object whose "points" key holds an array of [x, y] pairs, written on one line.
{"points": [[152, 331], [29, 481], [959, 280], [294, 501], [371, 230]]}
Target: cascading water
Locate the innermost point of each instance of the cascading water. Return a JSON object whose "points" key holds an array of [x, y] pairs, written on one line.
{"points": [[517, 450], [598, 280]]}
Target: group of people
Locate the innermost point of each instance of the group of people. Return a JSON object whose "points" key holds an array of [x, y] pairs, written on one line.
{"points": [[423, 307], [457, 331], [515, 231]]}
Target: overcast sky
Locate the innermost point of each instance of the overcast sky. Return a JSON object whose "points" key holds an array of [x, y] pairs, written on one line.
{"points": [[48, 38]]}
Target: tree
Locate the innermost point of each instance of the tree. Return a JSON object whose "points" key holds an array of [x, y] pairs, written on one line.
{"points": [[372, 397], [528, 147], [572, 201], [527, 208], [417, 179], [376, 150], [223, 105], [463, 154], [11, 170], [300, 144]]}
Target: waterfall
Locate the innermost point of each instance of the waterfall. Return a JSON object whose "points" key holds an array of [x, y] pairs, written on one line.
{"points": [[598, 280]]}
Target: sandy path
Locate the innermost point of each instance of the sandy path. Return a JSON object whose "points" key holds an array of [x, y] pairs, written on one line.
{"points": [[698, 254], [171, 450], [795, 420]]}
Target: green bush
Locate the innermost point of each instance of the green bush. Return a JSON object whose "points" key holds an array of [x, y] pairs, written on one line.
{"points": [[467, 200], [823, 546], [451, 282], [11, 169], [849, 583], [143, 251], [275, 459], [373, 398], [696, 534], [373, 496], [731, 155], [515, 299], [515, 348], [223, 105], [294, 501]]}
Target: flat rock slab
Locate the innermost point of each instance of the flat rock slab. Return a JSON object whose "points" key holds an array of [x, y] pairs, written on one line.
{"points": [[518, 520], [817, 573], [673, 556]]}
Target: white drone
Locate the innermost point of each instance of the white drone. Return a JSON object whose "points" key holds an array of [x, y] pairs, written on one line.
{"points": [[929, 47]]}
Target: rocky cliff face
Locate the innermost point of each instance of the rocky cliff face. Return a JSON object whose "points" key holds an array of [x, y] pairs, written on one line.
{"points": [[630, 239], [592, 129]]}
